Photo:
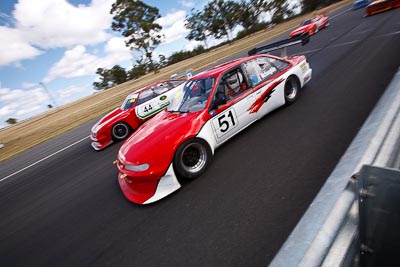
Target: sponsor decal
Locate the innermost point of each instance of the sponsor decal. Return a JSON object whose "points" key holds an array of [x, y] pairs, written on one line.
{"points": [[162, 98], [264, 97]]}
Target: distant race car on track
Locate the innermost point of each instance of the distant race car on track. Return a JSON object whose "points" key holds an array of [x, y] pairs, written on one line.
{"points": [[311, 26], [381, 6], [136, 109], [211, 107], [357, 4]]}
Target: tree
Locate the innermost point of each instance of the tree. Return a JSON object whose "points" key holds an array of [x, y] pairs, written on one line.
{"points": [[250, 12], [280, 10], [197, 25], [138, 70], [11, 121], [221, 17], [182, 55], [109, 78], [162, 61], [136, 21]]}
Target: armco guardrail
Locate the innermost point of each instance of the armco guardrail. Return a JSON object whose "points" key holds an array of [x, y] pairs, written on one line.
{"points": [[327, 234]]}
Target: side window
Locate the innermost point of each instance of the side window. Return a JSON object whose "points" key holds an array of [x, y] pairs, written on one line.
{"points": [[279, 64], [175, 83], [252, 72], [161, 88], [267, 70], [231, 85], [234, 83], [146, 95], [262, 68]]}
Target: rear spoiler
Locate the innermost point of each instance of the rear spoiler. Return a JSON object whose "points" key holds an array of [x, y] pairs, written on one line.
{"points": [[283, 44]]}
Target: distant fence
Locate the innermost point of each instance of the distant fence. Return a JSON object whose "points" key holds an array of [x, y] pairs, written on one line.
{"points": [[328, 232]]}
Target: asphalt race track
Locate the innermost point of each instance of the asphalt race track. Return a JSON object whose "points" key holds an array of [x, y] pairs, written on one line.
{"points": [[67, 209]]}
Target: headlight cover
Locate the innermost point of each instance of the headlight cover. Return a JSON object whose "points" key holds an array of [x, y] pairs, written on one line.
{"points": [[137, 168]]}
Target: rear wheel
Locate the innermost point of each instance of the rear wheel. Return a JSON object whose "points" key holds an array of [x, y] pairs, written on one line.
{"points": [[192, 158], [120, 131], [292, 87]]}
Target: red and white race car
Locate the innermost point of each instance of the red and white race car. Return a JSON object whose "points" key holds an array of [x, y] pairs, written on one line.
{"points": [[138, 107], [311, 26], [381, 6], [212, 107]]}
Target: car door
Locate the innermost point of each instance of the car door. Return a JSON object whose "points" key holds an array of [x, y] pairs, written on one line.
{"points": [[264, 75], [232, 116]]}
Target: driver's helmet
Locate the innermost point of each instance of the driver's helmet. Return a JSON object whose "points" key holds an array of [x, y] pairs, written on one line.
{"points": [[234, 81]]}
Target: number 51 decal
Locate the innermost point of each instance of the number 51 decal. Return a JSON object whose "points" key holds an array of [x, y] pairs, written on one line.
{"points": [[225, 122]]}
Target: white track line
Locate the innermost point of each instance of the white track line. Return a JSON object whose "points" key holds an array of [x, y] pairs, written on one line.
{"points": [[340, 13], [37, 162]]}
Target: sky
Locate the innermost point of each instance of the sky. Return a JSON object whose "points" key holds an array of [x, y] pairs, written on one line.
{"points": [[50, 49]]}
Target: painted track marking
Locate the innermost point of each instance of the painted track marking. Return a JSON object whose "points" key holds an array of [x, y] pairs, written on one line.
{"points": [[43, 159]]}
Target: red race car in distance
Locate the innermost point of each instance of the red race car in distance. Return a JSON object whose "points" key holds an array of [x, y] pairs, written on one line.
{"points": [[381, 6], [311, 26], [138, 107]]}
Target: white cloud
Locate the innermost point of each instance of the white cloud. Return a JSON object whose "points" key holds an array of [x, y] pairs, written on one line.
{"points": [[192, 45], [116, 45], [41, 24], [171, 18], [77, 62], [57, 23], [65, 95], [14, 48], [27, 85], [187, 4], [22, 104], [173, 26]]}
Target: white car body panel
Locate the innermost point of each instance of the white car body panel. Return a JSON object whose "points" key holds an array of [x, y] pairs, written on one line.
{"points": [[155, 104]]}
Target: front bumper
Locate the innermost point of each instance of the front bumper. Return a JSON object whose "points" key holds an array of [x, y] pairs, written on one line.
{"points": [[307, 76], [150, 189], [99, 144]]}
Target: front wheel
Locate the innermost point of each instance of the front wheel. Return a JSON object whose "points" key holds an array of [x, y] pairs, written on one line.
{"points": [[292, 87], [120, 131], [192, 158]]}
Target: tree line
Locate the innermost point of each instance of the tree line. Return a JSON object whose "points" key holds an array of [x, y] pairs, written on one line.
{"points": [[136, 21]]}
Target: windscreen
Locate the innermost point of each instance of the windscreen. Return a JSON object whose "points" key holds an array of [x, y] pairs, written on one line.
{"points": [[193, 96]]}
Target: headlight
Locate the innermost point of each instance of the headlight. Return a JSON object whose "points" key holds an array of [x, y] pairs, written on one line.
{"points": [[137, 168], [95, 129]]}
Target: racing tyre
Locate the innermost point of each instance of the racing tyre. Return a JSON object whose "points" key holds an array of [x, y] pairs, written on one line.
{"points": [[192, 158], [292, 87], [120, 131]]}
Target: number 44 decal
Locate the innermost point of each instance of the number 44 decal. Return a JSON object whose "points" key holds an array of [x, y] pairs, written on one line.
{"points": [[225, 122], [147, 108]]}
